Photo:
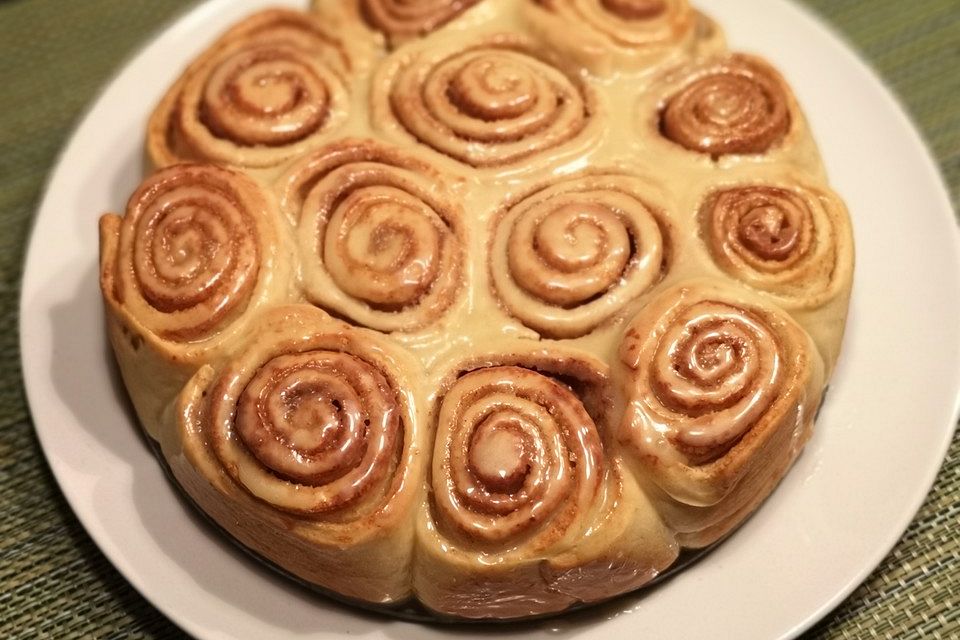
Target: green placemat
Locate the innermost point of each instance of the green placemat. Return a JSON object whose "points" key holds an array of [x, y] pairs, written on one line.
{"points": [[56, 54]]}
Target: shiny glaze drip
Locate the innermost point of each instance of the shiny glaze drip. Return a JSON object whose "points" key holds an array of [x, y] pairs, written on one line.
{"points": [[736, 106], [516, 452], [489, 105]]}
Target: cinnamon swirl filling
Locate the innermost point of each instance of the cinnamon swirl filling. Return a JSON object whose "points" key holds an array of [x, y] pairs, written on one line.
{"points": [[189, 250], [517, 455], [381, 241], [793, 242], [404, 19], [705, 370], [490, 104], [736, 106], [268, 89], [573, 254], [312, 425]]}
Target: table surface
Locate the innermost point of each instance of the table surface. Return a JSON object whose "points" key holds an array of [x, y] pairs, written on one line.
{"points": [[54, 582]]}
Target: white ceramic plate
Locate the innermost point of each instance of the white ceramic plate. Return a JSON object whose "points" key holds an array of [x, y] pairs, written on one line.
{"points": [[879, 443]]}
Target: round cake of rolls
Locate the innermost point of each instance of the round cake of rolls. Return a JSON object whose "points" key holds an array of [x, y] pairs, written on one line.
{"points": [[493, 307]]}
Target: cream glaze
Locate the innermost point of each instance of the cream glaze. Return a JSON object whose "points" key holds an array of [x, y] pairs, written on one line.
{"points": [[415, 543]]}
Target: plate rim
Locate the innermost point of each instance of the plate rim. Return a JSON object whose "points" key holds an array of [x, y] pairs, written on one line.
{"points": [[199, 12]]}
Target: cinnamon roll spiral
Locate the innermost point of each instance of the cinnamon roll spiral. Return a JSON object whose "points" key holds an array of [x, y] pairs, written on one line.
{"points": [[793, 242], [380, 238], [269, 89], [721, 392], [199, 252], [516, 452], [487, 104], [310, 431], [526, 506], [732, 105], [570, 256], [186, 258], [609, 36], [401, 20]]}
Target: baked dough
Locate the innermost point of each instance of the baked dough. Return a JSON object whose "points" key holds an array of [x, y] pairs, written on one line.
{"points": [[491, 305]]}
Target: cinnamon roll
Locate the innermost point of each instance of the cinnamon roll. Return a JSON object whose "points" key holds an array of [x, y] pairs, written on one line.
{"points": [[199, 251], [269, 89], [735, 104], [528, 515], [610, 36], [398, 20], [309, 436], [722, 390], [490, 306], [570, 256], [379, 234], [487, 104], [791, 241]]}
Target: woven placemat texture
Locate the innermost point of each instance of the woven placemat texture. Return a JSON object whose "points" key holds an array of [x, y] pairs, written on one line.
{"points": [[55, 55]]}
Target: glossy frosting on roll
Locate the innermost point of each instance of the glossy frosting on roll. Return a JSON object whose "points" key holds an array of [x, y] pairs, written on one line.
{"points": [[716, 369], [190, 249], [735, 105], [311, 431], [270, 88], [488, 307], [515, 452], [794, 242], [400, 19], [526, 502], [380, 240], [490, 103], [714, 377], [568, 257]]}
